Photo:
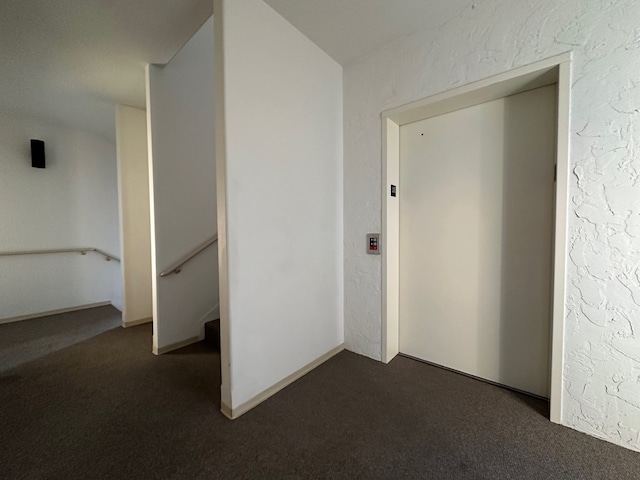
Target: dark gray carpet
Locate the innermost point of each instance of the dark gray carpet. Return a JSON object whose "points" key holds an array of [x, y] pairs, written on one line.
{"points": [[22, 342], [107, 408]]}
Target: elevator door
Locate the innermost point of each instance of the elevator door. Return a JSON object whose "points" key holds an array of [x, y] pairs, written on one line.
{"points": [[476, 228]]}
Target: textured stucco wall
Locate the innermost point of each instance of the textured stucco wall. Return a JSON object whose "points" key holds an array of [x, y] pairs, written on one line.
{"points": [[602, 339]]}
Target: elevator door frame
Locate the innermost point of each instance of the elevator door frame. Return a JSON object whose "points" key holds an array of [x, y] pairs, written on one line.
{"points": [[552, 71]]}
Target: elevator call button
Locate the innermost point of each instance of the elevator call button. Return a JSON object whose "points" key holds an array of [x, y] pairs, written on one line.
{"points": [[373, 243]]}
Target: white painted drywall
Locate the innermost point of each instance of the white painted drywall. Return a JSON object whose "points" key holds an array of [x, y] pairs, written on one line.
{"points": [[135, 231], [71, 203], [283, 139], [476, 234], [602, 390], [180, 109]]}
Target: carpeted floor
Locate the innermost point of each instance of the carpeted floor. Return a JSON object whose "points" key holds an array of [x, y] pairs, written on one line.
{"points": [[107, 408], [22, 342]]}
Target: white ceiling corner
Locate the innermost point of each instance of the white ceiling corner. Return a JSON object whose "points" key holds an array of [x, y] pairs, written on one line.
{"points": [[349, 29], [71, 61]]}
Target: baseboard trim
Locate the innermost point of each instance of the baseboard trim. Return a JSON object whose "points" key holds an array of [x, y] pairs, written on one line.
{"points": [[226, 410], [234, 413], [212, 314], [53, 312], [135, 323], [176, 346]]}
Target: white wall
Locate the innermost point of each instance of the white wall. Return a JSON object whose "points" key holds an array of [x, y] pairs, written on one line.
{"points": [[180, 109], [283, 137], [602, 343], [135, 232], [71, 203]]}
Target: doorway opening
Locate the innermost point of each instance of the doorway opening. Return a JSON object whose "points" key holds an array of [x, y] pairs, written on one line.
{"points": [[546, 81]]}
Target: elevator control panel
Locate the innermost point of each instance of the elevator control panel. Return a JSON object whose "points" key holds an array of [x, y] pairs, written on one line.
{"points": [[373, 243]]}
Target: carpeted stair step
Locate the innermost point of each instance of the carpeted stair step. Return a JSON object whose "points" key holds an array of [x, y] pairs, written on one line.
{"points": [[212, 333]]}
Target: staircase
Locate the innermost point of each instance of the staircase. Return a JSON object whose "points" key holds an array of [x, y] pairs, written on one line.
{"points": [[212, 333]]}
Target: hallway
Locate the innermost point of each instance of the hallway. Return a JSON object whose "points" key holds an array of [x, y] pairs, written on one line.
{"points": [[107, 408]]}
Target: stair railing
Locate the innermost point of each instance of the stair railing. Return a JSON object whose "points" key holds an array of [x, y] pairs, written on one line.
{"points": [[177, 266], [82, 251]]}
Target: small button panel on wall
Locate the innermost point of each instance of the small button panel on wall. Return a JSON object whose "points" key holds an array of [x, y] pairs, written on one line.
{"points": [[373, 243]]}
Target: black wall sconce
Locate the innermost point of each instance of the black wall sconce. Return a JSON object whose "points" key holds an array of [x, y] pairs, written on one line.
{"points": [[37, 154]]}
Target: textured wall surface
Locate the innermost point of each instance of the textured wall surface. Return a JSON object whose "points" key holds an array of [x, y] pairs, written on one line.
{"points": [[602, 333]]}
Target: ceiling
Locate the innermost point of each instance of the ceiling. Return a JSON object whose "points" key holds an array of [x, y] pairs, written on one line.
{"points": [[348, 29], [71, 61]]}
